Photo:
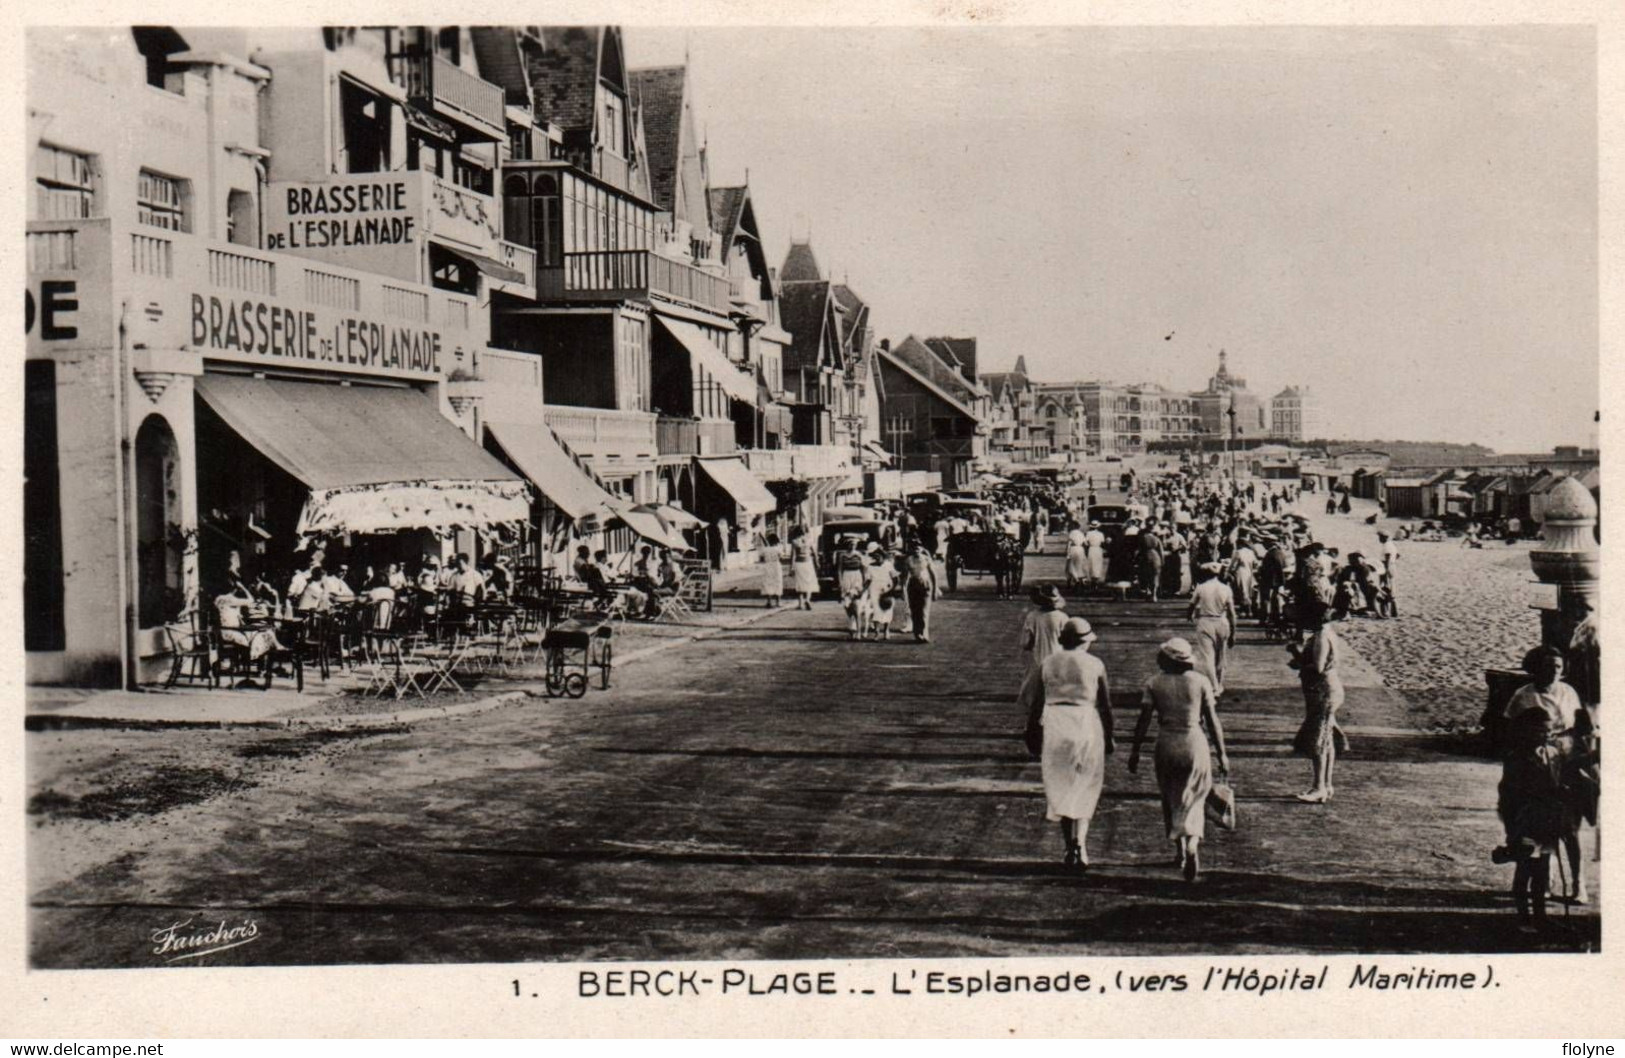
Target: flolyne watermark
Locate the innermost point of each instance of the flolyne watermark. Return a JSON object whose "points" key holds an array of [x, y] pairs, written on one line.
{"points": [[178, 941]]}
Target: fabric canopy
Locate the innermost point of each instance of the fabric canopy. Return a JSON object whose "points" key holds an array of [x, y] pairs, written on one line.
{"points": [[535, 450], [876, 449], [375, 458], [675, 517], [649, 526], [731, 475], [736, 383], [489, 265]]}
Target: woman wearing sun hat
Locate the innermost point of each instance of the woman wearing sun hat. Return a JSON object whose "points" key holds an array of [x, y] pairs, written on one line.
{"points": [[1213, 610], [1183, 701], [1077, 719], [1040, 635]]}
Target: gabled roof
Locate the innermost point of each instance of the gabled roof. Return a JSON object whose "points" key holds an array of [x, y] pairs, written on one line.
{"points": [[800, 266], [998, 382], [501, 61], [803, 311], [658, 94], [564, 76], [917, 362], [927, 364], [727, 206], [851, 310]]}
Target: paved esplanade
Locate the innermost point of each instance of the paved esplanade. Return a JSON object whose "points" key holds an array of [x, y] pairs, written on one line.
{"points": [[779, 792]]}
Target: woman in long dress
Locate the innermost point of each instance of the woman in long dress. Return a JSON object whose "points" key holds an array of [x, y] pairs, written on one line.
{"points": [[1094, 545], [801, 564], [1183, 702], [1322, 696], [773, 571], [1040, 636], [1077, 719], [1213, 609], [1077, 559]]}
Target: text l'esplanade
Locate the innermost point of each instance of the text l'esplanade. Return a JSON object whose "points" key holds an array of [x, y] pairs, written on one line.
{"points": [[265, 329], [349, 215]]}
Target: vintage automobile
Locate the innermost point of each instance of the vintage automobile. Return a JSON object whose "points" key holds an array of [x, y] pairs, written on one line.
{"points": [[983, 552], [1112, 518]]}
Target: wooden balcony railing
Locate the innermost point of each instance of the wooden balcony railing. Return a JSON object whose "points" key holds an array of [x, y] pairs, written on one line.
{"points": [[451, 91], [603, 431], [611, 274], [694, 437]]}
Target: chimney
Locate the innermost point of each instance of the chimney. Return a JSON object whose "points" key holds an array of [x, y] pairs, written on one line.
{"points": [[885, 345]]}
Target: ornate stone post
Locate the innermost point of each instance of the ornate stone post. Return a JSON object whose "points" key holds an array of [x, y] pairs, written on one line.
{"points": [[1570, 559]]}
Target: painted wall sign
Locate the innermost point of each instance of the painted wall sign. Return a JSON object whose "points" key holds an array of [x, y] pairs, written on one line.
{"points": [[370, 213], [256, 328], [55, 309]]}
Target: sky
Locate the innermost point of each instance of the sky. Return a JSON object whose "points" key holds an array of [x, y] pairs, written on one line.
{"points": [[1404, 219]]}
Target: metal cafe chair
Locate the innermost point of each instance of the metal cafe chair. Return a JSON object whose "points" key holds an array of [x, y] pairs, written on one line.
{"points": [[673, 606], [189, 648]]}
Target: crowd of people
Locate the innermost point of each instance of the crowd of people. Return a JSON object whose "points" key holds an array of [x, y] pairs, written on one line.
{"points": [[1236, 551]]}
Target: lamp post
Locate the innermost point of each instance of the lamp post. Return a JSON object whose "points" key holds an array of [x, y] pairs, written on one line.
{"points": [[1230, 438]]}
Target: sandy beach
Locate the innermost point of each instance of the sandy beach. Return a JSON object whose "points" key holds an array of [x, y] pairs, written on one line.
{"points": [[1462, 610]]}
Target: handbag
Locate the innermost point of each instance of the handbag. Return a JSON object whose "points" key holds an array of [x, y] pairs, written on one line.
{"points": [[1221, 804]]}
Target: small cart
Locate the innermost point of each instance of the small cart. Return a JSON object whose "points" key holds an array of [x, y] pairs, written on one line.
{"points": [[984, 552], [573, 646]]}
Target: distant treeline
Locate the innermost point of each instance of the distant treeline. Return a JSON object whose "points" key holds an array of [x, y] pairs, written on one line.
{"points": [[1412, 453]]}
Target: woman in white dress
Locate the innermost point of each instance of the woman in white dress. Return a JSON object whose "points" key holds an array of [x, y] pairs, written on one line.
{"points": [[1077, 559], [773, 570], [1077, 719], [801, 564], [1094, 543]]}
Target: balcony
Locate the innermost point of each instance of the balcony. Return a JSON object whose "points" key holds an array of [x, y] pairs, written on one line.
{"points": [[694, 437], [604, 433], [232, 302], [521, 259], [611, 168], [801, 462], [615, 275], [452, 92]]}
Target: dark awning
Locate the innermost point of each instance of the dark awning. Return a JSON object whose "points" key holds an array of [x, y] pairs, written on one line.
{"points": [[539, 456], [375, 458], [715, 363], [428, 124], [732, 476], [489, 265]]}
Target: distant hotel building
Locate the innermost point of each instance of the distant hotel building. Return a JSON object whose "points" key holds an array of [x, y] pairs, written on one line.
{"points": [[1084, 419], [1295, 415]]}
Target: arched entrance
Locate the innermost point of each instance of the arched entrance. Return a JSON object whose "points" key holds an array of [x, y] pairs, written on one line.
{"points": [[160, 540]]}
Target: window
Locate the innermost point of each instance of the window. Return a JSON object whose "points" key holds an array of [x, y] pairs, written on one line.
{"points": [[63, 187], [365, 118], [614, 134], [519, 145], [242, 219], [448, 42], [156, 44], [160, 202]]}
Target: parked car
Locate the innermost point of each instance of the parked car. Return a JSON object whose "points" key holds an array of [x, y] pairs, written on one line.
{"points": [[1112, 518]]}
